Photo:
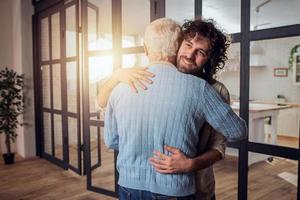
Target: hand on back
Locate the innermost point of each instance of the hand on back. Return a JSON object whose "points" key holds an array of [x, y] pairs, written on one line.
{"points": [[134, 77], [177, 162]]}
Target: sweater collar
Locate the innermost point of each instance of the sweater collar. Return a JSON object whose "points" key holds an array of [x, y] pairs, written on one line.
{"points": [[161, 62]]}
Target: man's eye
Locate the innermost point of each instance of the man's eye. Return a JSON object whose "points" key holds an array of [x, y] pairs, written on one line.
{"points": [[188, 44], [201, 53]]}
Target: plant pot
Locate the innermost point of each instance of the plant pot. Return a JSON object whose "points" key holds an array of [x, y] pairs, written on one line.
{"points": [[9, 158]]}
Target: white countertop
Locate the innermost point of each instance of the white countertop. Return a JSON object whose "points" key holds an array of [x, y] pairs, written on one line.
{"points": [[259, 107]]}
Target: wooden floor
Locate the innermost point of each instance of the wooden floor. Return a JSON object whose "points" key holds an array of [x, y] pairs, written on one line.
{"points": [[38, 179], [264, 182]]}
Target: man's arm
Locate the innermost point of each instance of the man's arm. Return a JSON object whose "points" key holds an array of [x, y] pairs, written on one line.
{"points": [[132, 76], [111, 136], [217, 141], [180, 163], [215, 151], [220, 115]]}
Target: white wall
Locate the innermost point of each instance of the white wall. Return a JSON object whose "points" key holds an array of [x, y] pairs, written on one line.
{"points": [[263, 85], [27, 64], [16, 53], [6, 50]]}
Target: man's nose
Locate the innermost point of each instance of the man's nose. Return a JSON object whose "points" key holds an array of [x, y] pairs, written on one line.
{"points": [[190, 54]]}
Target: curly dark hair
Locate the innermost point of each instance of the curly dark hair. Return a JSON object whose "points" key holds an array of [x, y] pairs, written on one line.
{"points": [[218, 41]]}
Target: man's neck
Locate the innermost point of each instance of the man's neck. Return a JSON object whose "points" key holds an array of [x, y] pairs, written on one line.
{"points": [[171, 60]]}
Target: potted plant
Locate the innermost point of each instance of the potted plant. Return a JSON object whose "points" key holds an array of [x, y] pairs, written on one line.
{"points": [[11, 106], [291, 57]]}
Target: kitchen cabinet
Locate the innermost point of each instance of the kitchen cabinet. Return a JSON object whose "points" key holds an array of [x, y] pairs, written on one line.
{"points": [[288, 122], [258, 112], [296, 69]]}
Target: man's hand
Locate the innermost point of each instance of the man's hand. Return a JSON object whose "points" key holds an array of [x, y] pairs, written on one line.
{"points": [[135, 76], [175, 163]]}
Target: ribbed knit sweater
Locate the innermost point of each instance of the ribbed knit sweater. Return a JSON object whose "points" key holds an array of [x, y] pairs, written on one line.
{"points": [[171, 112]]}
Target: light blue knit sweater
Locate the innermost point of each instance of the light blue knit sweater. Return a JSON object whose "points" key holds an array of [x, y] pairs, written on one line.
{"points": [[171, 112]]}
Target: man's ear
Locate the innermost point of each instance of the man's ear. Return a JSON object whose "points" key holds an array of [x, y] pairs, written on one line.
{"points": [[146, 50]]}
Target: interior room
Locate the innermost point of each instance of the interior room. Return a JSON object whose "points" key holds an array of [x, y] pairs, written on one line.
{"points": [[67, 48]]}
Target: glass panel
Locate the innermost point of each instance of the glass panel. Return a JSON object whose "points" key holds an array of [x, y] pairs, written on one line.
{"points": [[92, 24], [94, 135], [99, 25], [230, 75], [100, 67], [72, 86], [71, 31], [55, 36], [275, 178], [103, 176], [58, 136], [73, 141], [265, 14], [226, 175], [47, 133], [226, 171], [133, 32], [274, 108], [46, 86], [180, 10], [134, 60], [45, 39], [56, 77], [226, 13]]}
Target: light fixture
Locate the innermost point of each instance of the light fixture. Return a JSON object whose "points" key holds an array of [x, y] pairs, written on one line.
{"points": [[256, 50]]}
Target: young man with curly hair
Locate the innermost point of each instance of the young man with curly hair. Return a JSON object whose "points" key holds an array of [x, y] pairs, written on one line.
{"points": [[201, 53]]}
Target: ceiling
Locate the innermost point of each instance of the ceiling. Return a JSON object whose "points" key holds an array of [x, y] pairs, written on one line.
{"points": [[275, 13], [136, 13]]}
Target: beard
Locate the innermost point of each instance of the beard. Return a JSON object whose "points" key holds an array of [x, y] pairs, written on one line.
{"points": [[187, 66]]}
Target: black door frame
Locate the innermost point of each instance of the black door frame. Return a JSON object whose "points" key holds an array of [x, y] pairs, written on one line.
{"points": [[245, 146], [38, 93], [87, 122], [41, 11], [244, 37]]}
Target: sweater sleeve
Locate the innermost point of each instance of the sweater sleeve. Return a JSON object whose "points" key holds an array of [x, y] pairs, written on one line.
{"points": [[111, 137], [221, 117], [216, 140]]}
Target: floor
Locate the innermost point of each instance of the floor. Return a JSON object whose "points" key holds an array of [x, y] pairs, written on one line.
{"points": [[37, 179], [266, 180]]}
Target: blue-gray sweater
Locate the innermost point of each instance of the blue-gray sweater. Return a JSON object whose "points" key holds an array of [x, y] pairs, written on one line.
{"points": [[171, 112]]}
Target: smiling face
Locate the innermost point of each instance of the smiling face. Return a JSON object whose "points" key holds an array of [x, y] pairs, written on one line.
{"points": [[193, 54]]}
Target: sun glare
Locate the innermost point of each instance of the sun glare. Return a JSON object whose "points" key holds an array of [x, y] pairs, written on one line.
{"points": [[102, 66]]}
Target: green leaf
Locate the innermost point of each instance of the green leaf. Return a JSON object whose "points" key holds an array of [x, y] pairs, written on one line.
{"points": [[11, 101]]}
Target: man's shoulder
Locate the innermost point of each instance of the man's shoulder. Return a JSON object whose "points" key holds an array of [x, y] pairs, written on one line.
{"points": [[162, 67], [222, 90], [121, 88], [172, 71], [217, 85], [119, 91]]}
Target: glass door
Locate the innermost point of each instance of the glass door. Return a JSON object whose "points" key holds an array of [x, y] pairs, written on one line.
{"points": [[99, 63], [58, 60]]}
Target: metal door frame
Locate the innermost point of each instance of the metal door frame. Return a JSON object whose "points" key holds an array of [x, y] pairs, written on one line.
{"points": [[56, 7]]}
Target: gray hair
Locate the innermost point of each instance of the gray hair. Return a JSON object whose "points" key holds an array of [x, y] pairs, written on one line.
{"points": [[163, 37]]}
